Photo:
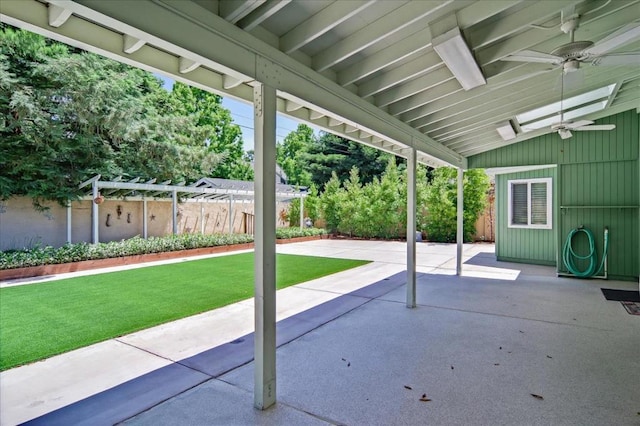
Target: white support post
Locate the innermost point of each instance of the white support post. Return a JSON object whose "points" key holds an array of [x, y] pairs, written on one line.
{"points": [[94, 214], [174, 202], [265, 246], [69, 222], [231, 214], [460, 233], [411, 229], [301, 212], [145, 232], [202, 217]]}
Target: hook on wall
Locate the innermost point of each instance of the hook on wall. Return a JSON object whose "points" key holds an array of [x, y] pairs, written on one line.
{"points": [[108, 222], [128, 217], [119, 210]]}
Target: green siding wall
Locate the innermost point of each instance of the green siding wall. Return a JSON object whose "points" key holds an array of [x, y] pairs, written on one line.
{"points": [[597, 185], [524, 245]]}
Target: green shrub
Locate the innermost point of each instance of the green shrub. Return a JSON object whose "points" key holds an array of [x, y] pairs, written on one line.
{"points": [[84, 251], [298, 232]]}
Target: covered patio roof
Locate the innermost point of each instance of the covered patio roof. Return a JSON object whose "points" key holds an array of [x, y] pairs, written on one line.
{"points": [[431, 81]]}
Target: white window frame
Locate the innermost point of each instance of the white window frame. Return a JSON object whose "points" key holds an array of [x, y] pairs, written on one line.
{"points": [[548, 181]]}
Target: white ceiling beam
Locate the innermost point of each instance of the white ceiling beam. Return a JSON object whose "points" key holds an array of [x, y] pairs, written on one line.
{"points": [[424, 103], [412, 69], [320, 23], [131, 44], [537, 12], [418, 41], [262, 13], [414, 43], [413, 87], [235, 10], [58, 15], [186, 65], [387, 25]]}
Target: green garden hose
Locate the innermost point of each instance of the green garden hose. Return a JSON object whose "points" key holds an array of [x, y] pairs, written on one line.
{"points": [[568, 254]]}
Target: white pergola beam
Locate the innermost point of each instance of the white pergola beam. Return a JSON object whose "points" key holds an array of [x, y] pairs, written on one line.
{"points": [[58, 15], [315, 115], [421, 84], [320, 23]]}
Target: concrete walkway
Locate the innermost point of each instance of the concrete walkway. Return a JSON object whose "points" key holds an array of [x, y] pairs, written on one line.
{"points": [[347, 348]]}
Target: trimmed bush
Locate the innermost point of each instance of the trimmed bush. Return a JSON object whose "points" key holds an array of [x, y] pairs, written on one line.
{"points": [[135, 246]]}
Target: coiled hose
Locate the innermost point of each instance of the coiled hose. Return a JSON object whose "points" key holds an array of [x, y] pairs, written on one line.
{"points": [[568, 254]]}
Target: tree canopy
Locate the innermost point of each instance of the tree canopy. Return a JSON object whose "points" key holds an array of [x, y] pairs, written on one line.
{"points": [[68, 115]]}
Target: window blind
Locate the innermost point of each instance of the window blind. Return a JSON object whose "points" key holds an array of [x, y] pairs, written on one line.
{"points": [[519, 203]]}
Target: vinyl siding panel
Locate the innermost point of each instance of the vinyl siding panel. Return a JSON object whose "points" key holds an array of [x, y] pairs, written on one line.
{"points": [[597, 183]]}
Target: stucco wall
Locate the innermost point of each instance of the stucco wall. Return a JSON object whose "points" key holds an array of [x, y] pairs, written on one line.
{"points": [[21, 226]]}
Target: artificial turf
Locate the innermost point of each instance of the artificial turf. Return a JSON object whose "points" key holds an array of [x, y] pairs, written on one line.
{"points": [[41, 320]]}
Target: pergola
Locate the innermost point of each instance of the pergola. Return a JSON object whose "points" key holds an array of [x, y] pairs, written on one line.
{"points": [[202, 191], [430, 81]]}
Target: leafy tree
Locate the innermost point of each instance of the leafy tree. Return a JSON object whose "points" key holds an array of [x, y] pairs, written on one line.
{"points": [[333, 153], [290, 153], [442, 203], [331, 201], [311, 206], [214, 129], [69, 115]]}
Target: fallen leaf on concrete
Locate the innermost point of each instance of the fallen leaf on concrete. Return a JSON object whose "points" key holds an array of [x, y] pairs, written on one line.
{"points": [[550, 357], [521, 331], [424, 398], [536, 396], [452, 367], [343, 359], [509, 352], [500, 347], [348, 364], [496, 363], [408, 387]]}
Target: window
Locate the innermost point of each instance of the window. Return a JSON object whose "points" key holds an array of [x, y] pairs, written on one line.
{"points": [[530, 203]]}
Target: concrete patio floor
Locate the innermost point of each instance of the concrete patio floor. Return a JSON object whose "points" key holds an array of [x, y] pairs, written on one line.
{"points": [[478, 346]]}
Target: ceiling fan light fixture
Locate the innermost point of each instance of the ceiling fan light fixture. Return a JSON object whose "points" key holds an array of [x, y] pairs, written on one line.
{"points": [[564, 133], [571, 66], [455, 54]]}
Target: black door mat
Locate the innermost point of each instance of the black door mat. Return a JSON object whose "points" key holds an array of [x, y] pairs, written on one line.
{"points": [[621, 295], [632, 307]]}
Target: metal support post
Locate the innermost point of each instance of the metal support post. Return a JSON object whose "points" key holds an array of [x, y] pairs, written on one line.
{"points": [[145, 232], [69, 222], [94, 214], [174, 210]]}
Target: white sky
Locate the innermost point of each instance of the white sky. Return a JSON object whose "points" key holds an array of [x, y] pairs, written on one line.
{"points": [[242, 114]]}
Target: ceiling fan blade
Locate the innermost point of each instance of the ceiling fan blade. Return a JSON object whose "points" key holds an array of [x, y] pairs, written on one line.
{"points": [[631, 58], [533, 56], [564, 133], [624, 35], [577, 124], [596, 127]]}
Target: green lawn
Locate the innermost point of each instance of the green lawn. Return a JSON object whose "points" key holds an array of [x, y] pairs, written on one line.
{"points": [[41, 320]]}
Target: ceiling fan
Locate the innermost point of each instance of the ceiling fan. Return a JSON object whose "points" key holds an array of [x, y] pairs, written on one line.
{"points": [[569, 56], [564, 127]]}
